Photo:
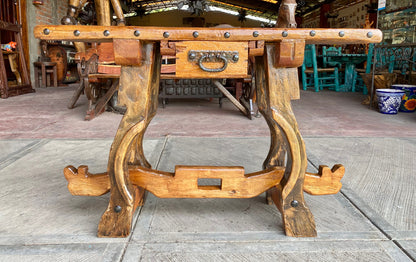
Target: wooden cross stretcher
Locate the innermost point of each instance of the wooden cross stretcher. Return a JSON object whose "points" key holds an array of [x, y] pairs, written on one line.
{"points": [[207, 53]]}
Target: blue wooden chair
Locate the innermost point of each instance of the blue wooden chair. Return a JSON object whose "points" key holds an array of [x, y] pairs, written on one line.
{"points": [[317, 78], [358, 83], [326, 61]]}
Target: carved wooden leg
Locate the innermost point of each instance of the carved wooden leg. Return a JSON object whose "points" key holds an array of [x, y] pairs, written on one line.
{"points": [[137, 157], [102, 101], [36, 71], [139, 87], [277, 152], [273, 96], [77, 92]]}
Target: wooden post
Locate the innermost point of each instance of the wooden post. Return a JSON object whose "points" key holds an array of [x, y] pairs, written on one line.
{"points": [[273, 97], [138, 91]]}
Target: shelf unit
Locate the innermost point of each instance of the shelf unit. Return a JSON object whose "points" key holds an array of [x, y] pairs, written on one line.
{"points": [[398, 23], [23, 85]]}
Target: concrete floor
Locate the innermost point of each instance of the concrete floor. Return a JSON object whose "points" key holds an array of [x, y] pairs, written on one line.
{"points": [[371, 219]]}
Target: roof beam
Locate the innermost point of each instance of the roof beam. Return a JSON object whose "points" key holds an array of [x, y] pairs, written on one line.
{"points": [[261, 6]]}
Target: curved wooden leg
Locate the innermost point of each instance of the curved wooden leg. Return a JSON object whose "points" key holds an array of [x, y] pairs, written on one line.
{"points": [[273, 96], [139, 87], [137, 157], [277, 151]]}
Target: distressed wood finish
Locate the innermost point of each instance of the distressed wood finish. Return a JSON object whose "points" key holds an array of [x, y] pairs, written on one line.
{"points": [[188, 69], [326, 182], [139, 86], [273, 100], [277, 54], [83, 183], [319, 35], [183, 183], [289, 53], [127, 52]]}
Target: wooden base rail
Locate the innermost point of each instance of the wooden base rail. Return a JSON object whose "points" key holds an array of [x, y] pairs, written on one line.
{"points": [[185, 182]]}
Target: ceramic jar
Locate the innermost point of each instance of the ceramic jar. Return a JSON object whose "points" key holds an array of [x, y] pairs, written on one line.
{"points": [[389, 100], [408, 103]]}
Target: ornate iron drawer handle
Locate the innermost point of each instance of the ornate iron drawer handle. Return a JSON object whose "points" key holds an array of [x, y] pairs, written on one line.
{"points": [[212, 70], [201, 56]]}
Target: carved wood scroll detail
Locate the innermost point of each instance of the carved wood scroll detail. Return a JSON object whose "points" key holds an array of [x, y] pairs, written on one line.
{"points": [[183, 183]]}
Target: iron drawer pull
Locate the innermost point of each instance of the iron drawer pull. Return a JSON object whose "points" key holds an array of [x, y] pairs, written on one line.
{"points": [[212, 70]]}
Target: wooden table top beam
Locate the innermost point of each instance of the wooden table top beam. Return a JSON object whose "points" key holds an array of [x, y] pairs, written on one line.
{"points": [[83, 33]]}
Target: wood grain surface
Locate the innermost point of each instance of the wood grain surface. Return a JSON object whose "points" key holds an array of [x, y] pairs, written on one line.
{"points": [[188, 69], [312, 35]]}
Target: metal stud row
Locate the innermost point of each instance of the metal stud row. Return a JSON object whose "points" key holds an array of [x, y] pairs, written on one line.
{"points": [[195, 34]]}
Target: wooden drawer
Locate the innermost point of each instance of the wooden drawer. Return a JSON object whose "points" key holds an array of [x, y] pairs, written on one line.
{"points": [[197, 59]]}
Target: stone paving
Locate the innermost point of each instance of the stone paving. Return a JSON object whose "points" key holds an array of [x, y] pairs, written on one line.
{"points": [[371, 219]]}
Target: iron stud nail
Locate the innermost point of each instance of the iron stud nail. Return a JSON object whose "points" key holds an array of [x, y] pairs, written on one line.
{"points": [[370, 34], [117, 209], [312, 33], [192, 56], [77, 33], [106, 33], [285, 33], [294, 203], [166, 34], [255, 34], [46, 31], [195, 34], [136, 33], [227, 35], [341, 34]]}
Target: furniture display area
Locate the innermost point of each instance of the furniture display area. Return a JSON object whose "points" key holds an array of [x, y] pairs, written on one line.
{"points": [[314, 77], [210, 53], [349, 61], [399, 59], [398, 23]]}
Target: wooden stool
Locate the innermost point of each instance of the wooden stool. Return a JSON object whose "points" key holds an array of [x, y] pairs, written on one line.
{"points": [[47, 68]]}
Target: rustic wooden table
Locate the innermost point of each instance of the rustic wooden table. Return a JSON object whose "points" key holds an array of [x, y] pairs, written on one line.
{"points": [[207, 53]]}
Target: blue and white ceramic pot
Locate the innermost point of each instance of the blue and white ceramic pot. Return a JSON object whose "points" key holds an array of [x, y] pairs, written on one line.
{"points": [[409, 98], [389, 100]]}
